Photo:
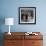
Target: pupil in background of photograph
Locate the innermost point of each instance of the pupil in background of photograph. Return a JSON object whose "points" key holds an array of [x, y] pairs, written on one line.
{"points": [[24, 17]]}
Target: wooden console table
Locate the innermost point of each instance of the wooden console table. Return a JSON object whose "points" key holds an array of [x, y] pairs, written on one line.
{"points": [[20, 39]]}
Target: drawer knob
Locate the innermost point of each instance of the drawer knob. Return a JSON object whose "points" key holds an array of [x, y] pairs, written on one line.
{"points": [[33, 42]]}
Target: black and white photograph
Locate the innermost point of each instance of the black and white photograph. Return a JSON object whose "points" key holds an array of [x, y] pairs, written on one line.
{"points": [[27, 15]]}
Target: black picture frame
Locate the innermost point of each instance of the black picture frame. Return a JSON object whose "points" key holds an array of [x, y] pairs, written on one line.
{"points": [[27, 15]]}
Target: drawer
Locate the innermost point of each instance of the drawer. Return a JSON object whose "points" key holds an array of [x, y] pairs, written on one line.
{"points": [[16, 37], [33, 37], [9, 43], [33, 43], [13, 43], [37, 43]]}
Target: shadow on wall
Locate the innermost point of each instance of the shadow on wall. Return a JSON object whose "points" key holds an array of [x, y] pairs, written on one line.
{"points": [[2, 21]]}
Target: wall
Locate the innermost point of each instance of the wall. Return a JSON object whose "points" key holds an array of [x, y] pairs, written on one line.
{"points": [[9, 8]]}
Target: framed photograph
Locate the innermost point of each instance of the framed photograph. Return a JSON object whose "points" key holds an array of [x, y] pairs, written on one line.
{"points": [[27, 15]]}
